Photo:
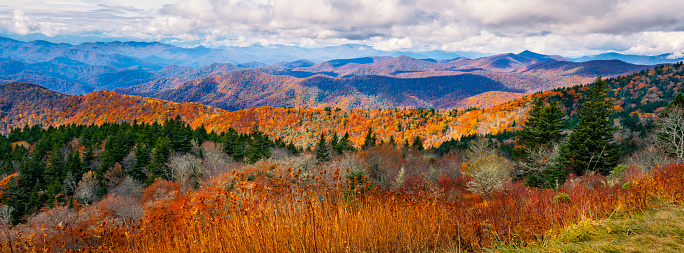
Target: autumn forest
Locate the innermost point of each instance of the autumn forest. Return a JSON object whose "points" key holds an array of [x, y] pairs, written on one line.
{"points": [[504, 153]]}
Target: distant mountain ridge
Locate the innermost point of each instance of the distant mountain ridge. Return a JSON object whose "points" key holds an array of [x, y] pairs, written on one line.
{"points": [[250, 88], [636, 98], [165, 71], [634, 59], [387, 82]]}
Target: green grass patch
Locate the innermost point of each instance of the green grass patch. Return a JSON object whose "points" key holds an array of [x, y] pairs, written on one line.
{"points": [[660, 229]]}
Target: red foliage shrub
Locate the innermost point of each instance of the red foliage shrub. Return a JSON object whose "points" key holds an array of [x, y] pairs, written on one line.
{"points": [[445, 183], [414, 184], [161, 190]]}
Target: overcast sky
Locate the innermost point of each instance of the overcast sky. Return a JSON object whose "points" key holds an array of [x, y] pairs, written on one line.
{"points": [[565, 27]]}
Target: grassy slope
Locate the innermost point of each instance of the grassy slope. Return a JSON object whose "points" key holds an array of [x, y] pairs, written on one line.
{"points": [[660, 229]]}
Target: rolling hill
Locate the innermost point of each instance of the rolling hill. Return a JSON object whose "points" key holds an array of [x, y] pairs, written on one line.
{"points": [[386, 82], [177, 74], [637, 99], [250, 88], [24, 104]]}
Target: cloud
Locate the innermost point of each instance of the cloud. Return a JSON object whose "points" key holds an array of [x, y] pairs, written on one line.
{"points": [[393, 44], [23, 25], [118, 7], [562, 27]]}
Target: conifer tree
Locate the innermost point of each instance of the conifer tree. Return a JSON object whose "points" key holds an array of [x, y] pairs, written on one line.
{"points": [[142, 161], [54, 173], [292, 148], [370, 139], [322, 149], [88, 157], [258, 146], [417, 144], [160, 156], [334, 143], [543, 125], [345, 143], [74, 164], [591, 145], [678, 101]]}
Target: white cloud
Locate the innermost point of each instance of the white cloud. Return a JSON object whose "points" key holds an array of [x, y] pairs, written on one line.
{"points": [[563, 27], [393, 44], [23, 25]]}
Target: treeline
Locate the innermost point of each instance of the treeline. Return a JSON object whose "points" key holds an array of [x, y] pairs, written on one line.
{"points": [[569, 131], [55, 165]]}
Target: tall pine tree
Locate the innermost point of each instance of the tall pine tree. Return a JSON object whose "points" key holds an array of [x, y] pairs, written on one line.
{"points": [[322, 149], [591, 145], [543, 126], [417, 144], [370, 139]]}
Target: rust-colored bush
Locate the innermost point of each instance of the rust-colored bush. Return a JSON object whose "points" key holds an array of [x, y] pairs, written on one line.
{"points": [[268, 207]]}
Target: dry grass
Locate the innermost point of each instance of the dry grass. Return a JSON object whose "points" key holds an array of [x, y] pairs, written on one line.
{"points": [[660, 229], [271, 207]]}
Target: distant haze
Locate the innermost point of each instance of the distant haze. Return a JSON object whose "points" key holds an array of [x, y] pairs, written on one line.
{"points": [[568, 28]]}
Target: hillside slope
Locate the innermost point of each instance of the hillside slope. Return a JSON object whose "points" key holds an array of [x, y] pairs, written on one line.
{"points": [[24, 104], [637, 98], [250, 88]]}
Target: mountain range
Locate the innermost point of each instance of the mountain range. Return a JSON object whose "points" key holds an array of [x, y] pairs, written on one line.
{"points": [[636, 98], [385, 82], [375, 80]]}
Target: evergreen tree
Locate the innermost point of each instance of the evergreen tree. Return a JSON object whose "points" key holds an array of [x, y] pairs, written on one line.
{"points": [[258, 146], [88, 157], [74, 165], [345, 143], [160, 156], [678, 101], [369, 141], [322, 149], [591, 145], [292, 148], [417, 144], [54, 173], [543, 125], [334, 143], [391, 141], [142, 161]]}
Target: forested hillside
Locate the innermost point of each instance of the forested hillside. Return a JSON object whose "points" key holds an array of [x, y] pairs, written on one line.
{"points": [[96, 186], [636, 97], [250, 89], [28, 104]]}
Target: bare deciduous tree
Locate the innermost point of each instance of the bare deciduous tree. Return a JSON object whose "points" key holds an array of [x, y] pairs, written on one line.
{"points": [[489, 174], [115, 175], [215, 160], [670, 132], [186, 170], [537, 159], [478, 148], [86, 192], [650, 156], [6, 214], [69, 183], [129, 188], [128, 161]]}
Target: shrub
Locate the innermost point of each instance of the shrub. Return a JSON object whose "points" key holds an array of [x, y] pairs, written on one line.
{"points": [[414, 184], [561, 198], [445, 183], [355, 183], [580, 232], [489, 174]]}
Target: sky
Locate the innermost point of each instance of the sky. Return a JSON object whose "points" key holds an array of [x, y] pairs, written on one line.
{"points": [[566, 27]]}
